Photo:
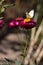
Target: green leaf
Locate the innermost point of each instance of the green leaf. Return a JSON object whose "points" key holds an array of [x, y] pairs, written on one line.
{"points": [[2, 9], [7, 5]]}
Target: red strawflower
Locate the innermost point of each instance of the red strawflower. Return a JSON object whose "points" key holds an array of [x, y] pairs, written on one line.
{"points": [[1, 23], [28, 25], [13, 23]]}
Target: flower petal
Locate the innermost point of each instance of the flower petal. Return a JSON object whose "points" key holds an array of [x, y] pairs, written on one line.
{"points": [[1, 23]]}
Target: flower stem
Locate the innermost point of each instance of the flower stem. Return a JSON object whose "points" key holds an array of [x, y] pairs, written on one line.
{"points": [[25, 49]]}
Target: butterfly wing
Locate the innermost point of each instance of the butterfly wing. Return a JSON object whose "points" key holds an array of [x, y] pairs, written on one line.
{"points": [[30, 14]]}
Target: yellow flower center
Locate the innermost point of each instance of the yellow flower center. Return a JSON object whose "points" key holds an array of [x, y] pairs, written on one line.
{"points": [[27, 20]]}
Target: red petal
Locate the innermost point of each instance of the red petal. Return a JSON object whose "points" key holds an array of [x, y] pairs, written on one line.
{"points": [[13, 23], [1, 23], [27, 25]]}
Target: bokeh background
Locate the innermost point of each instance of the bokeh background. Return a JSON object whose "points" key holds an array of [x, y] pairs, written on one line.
{"points": [[13, 41]]}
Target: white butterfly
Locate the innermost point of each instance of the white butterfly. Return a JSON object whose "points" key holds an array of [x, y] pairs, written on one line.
{"points": [[30, 14]]}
